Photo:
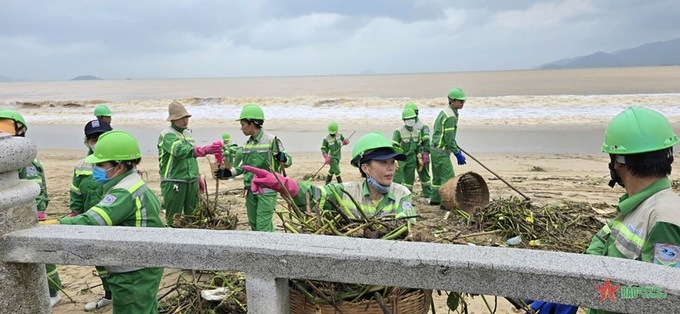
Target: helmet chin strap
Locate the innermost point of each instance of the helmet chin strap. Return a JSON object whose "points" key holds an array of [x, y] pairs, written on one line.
{"points": [[615, 178]]}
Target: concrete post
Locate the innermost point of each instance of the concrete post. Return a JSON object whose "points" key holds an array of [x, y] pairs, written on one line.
{"points": [[267, 294], [23, 287]]}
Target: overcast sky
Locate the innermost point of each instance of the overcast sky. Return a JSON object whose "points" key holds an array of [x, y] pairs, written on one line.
{"points": [[57, 40]]}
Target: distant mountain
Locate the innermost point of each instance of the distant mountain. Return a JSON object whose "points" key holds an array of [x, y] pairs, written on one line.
{"points": [[660, 53], [85, 78]]}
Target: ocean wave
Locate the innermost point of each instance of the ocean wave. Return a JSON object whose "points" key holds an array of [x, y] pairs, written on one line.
{"points": [[553, 109]]}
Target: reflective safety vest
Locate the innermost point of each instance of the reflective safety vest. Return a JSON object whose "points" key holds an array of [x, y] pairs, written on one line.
{"points": [[408, 140], [424, 131], [128, 202], [259, 152], [396, 202], [177, 162], [85, 192], [34, 172], [444, 134], [331, 145]]}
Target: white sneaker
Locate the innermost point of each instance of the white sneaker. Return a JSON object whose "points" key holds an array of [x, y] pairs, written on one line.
{"points": [[102, 302], [54, 300]]}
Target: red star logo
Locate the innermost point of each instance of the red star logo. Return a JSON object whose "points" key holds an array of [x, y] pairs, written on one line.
{"points": [[607, 290]]}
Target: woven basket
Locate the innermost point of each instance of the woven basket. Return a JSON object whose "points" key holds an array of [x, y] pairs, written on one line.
{"points": [[466, 192], [416, 302]]}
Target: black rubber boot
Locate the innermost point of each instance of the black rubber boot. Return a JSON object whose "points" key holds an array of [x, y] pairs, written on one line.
{"points": [[328, 179], [339, 179]]}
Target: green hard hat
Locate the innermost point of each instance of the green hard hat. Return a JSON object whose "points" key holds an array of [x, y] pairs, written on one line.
{"points": [[13, 115], [408, 113], [226, 136], [372, 141], [102, 111], [251, 112], [333, 127], [457, 93], [115, 145], [638, 130], [411, 105]]}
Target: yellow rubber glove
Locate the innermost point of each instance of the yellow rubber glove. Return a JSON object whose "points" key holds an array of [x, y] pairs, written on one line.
{"points": [[49, 222]]}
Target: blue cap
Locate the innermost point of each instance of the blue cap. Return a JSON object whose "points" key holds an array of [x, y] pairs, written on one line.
{"points": [[96, 127], [382, 154]]}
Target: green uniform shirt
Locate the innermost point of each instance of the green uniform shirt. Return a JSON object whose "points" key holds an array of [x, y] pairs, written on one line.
{"points": [[85, 191], [232, 153], [445, 128], [176, 158], [647, 228], [407, 139], [34, 172], [259, 152], [332, 145], [396, 202], [127, 201], [424, 131]]}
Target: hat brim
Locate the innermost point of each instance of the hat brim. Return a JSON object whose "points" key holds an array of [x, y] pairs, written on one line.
{"points": [[92, 159], [170, 119]]}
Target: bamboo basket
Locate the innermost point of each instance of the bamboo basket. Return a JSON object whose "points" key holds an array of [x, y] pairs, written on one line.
{"points": [[415, 302], [466, 192]]}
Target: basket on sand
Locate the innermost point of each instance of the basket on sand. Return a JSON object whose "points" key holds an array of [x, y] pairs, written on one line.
{"points": [[466, 192], [415, 302]]}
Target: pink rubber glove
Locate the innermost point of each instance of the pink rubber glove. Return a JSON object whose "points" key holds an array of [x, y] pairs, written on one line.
{"points": [[345, 142], [41, 216], [214, 148], [327, 159], [426, 158], [266, 179], [73, 214]]}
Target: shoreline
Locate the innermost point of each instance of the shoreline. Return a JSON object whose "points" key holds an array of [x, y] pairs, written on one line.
{"points": [[547, 138]]}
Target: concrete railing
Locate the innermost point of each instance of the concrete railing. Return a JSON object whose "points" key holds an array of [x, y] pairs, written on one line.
{"points": [[270, 259]]}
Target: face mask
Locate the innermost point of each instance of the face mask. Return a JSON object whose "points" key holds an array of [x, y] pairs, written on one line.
{"points": [[383, 189], [99, 175], [92, 146], [410, 122]]}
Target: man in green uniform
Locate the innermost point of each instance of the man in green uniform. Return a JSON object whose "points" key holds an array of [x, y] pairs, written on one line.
{"points": [[444, 143], [262, 150], [231, 151], [103, 113], [423, 167], [331, 147], [13, 123], [178, 165], [640, 143], [377, 195], [85, 193], [128, 202], [407, 138]]}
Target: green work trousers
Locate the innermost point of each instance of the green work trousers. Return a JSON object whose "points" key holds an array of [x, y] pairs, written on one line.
{"points": [[442, 171], [335, 167], [406, 173], [179, 198], [135, 291], [260, 209], [103, 274], [424, 177], [53, 281]]}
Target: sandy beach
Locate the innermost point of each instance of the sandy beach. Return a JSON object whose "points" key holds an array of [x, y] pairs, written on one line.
{"points": [[541, 131], [573, 176]]}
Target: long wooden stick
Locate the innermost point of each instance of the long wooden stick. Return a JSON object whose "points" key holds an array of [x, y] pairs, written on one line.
{"points": [[497, 176], [277, 143]]}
